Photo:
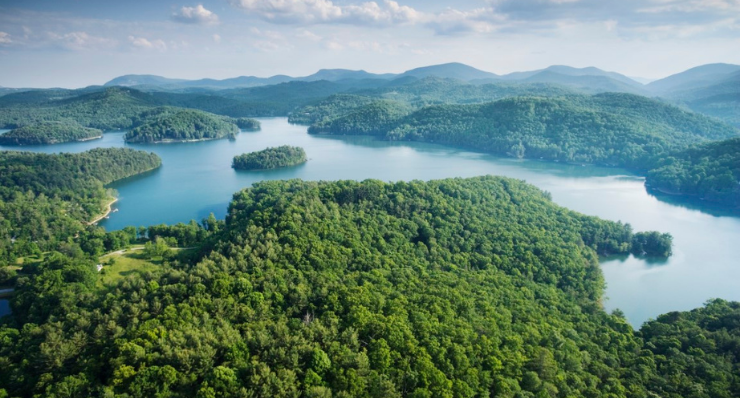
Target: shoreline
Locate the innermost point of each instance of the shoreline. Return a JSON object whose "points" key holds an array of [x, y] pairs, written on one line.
{"points": [[108, 210]]}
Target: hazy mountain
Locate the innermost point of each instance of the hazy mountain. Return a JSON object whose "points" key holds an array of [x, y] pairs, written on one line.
{"points": [[344, 74], [700, 76], [571, 71], [452, 70], [587, 83]]}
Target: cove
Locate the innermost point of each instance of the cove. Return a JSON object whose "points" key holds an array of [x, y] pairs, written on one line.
{"points": [[197, 179]]}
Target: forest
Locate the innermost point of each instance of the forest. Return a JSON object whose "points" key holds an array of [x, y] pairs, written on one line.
{"points": [[270, 158], [452, 288], [47, 199], [44, 133], [709, 172], [172, 124]]}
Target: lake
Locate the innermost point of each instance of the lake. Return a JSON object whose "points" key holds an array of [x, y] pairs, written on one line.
{"points": [[197, 179]]}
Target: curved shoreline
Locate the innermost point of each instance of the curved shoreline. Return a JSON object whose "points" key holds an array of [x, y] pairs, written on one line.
{"points": [[107, 212]]}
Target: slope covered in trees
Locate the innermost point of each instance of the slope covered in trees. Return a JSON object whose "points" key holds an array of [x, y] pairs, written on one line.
{"points": [[46, 199], [49, 133], [172, 124], [709, 172], [270, 158], [453, 288], [611, 129]]}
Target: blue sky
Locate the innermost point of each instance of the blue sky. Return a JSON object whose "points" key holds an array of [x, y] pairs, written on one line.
{"points": [[75, 43]]}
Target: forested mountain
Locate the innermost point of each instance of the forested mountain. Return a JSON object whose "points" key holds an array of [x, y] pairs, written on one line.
{"points": [[700, 76], [49, 133], [270, 158], [450, 288], [107, 109], [611, 129], [46, 199], [709, 172], [172, 124]]}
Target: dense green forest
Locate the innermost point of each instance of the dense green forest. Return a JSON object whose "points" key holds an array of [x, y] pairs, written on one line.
{"points": [[247, 124], [49, 133], [610, 129], [709, 172], [46, 199], [453, 288], [270, 158], [172, 124]]}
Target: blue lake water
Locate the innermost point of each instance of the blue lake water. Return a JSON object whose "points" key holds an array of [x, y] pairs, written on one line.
{"points": [[197, 179]]}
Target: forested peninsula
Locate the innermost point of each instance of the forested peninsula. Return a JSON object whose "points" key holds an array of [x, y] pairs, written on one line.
{"points": [[709, 172], [608, 129], [451, 288], [46, 199], [49, 133], [181, 125], [270, 158]]}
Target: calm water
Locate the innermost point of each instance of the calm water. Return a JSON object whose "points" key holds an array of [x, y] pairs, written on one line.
{"points": [[196, 179]]}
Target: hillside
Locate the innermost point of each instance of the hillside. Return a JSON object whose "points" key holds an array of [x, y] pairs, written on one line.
{"points": [[700, 76], [46, 199], [172, 125], [458, 287], [49, 133], [710, 172], [610, 129]]}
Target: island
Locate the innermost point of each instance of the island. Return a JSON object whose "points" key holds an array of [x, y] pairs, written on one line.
{"points": [[181, 125], [43, 133], [247, 124], [270, 158]]}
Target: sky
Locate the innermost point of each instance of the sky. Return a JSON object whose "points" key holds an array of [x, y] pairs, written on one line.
{"points": [[76, 43]]}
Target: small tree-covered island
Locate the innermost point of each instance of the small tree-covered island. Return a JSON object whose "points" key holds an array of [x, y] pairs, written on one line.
{"points": [[164, 125], [44, 133], [270, 158]]}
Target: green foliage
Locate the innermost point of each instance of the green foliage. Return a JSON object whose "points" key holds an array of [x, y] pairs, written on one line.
{"points": [[610, 129], [270, 158], [49, 133], [652, 244], [709, 172], [181, 125], [247, 124], [375, 118], [46, 199], [450, 288]]}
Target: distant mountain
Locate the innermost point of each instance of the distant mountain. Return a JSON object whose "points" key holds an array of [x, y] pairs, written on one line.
{"points": [[344, 74], [721, 100], [700, 76], [571, 71], [140, 80], [587, 83], [151, 82], [450, 71]]}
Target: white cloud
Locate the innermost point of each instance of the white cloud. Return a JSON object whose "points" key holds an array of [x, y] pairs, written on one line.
{"points": [[81, 41], [142, 42], [5, 38], [217, 38], [325, 12], [307, 34], [197, 15], [451, 21]]}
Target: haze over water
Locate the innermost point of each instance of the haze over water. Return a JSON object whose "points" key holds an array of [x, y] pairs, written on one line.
{"points": [[196, 179]]}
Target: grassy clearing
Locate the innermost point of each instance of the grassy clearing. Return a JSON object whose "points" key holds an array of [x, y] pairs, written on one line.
{"points": [[119, 264]]}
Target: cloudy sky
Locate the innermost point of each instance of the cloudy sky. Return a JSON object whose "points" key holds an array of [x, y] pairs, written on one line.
{"points": [[74, 43]]}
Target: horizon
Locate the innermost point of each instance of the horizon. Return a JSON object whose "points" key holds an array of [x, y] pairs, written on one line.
{"points": [[79, 43]]}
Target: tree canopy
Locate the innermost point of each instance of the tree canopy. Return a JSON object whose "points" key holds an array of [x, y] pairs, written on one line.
{"points": [[270, 158]]}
